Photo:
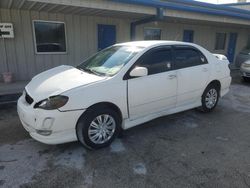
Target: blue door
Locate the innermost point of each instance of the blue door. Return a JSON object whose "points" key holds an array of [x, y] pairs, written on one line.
{"points": [[188, 36], [231, 46], [106, 36]]}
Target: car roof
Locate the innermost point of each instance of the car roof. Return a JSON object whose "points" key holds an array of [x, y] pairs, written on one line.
{"points": [[154, 43]]}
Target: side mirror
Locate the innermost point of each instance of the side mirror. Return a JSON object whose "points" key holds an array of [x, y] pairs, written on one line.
{"points": [[139, 72]]}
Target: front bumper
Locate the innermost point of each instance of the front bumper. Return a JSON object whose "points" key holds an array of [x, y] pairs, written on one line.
{"points": [[61, 125], [245, 72]]}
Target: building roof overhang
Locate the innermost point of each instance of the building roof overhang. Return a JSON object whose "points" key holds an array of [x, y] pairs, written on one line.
{"points": [[138, 9], [193, 6]]}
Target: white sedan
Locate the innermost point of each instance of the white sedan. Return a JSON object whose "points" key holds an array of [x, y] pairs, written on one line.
{"points": [[120, 87]]}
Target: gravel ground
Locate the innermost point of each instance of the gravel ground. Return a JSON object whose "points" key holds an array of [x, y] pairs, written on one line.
{"points": [[188, 149]]}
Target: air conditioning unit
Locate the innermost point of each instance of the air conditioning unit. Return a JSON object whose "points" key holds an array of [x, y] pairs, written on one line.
{"points": [[6, 30]]}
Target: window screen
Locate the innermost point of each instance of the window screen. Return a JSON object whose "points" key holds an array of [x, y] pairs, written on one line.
{"points": [[156, 61], [220, 41], [152, 34], [49, 37], [188, 57]]}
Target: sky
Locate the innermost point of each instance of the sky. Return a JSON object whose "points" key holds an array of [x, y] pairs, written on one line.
{"points": [[220, 1]]}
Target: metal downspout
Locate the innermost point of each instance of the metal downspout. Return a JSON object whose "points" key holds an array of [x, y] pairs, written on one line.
{"points": [[158, 17]]}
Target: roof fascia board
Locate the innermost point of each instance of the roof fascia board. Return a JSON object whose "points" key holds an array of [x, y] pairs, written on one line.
{"points": [[213, 6], [186, 8], [236, 4]]}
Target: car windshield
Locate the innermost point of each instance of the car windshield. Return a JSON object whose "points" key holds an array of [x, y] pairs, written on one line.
{"points": [[109, 61]]}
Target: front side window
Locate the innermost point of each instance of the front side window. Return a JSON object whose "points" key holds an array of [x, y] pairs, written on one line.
{"points": [[109, 61], [49, 37], [152, 34], [220, 41], [188, 57], [156, 61]]}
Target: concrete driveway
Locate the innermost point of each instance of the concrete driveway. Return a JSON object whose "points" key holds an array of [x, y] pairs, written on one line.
{"points": [[189, 149]]}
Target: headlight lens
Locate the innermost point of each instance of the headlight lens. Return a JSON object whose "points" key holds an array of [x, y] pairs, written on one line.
{"points": [[52, 103]]}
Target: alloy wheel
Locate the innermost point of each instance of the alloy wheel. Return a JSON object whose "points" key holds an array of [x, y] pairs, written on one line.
{"points": [[211, 98], [101, 129]]}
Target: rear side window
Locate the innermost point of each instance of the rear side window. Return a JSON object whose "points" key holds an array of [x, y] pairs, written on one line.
{"points": [[188, 57], [157, 60]]}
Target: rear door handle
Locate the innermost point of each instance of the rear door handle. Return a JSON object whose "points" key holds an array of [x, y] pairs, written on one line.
{"points": [[172, 76]]}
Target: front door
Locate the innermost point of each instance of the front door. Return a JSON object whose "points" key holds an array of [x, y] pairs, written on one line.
{"points": [[231, 46], [106, 36], [157, 91]]}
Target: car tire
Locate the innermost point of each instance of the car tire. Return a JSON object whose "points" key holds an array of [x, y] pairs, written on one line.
{"points": [[246, 79], [210, 98], [104, 122]]}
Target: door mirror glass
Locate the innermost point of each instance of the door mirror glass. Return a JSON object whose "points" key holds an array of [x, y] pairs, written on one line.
{"points": [[139, 72]]}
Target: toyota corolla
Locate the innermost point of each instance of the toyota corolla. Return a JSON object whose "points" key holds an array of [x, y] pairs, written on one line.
{"points": [[120, 87]]}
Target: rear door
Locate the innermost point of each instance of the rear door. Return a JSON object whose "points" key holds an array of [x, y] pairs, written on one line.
{"points": [[157, 91], [192, 72]]}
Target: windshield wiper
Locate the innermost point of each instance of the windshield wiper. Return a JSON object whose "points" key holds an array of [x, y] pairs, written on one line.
{"points": [[80, 68], [91, 71], [94, 72]]}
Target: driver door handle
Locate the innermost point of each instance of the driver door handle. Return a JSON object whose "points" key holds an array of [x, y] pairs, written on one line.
{"points": [[172, 76]]}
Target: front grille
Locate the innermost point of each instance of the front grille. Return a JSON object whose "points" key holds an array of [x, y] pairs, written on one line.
{"points": [[28, 98]]}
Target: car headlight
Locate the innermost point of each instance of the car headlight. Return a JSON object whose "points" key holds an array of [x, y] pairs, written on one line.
{"points": [[52, 103], [245, 65]]}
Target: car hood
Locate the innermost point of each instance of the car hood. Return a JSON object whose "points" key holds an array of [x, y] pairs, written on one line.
{"points": [[58, 80]]}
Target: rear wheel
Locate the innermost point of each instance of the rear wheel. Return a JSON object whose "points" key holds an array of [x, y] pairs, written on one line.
{"points": [[210, 98], [97, 128]]}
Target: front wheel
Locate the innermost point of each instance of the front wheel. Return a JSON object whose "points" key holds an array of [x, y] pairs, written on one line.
{"points": [[98, 128], [210, 98]]}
